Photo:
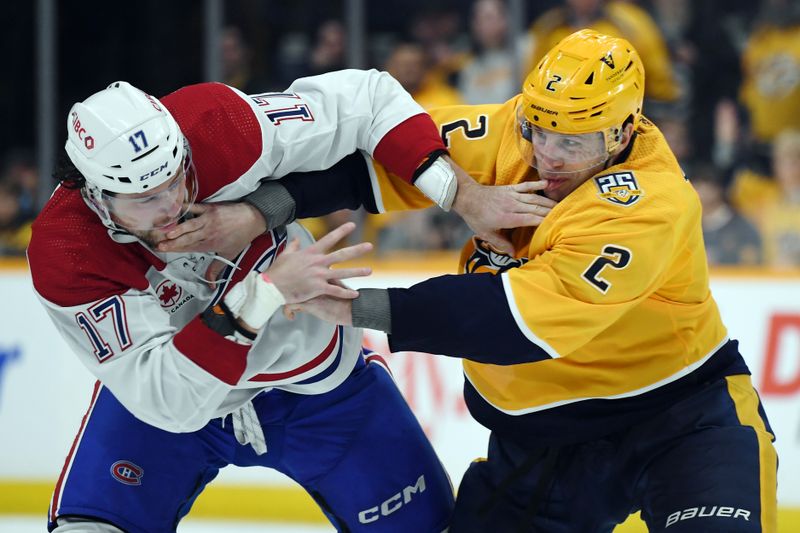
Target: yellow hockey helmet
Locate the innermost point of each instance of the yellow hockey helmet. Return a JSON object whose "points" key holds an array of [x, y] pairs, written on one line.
{"points": [[589, 82]]}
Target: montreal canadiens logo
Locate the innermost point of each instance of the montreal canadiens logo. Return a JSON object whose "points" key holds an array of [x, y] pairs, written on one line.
{"points": [[127, 473], [169, 293]]}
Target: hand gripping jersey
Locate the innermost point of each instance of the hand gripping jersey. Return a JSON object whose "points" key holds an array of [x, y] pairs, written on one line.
{"points": [[131, 314], [603, 312]]}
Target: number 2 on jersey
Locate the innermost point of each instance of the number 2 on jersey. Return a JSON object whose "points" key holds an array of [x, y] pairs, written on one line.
{"points": [[614, 256], [477, 132]]}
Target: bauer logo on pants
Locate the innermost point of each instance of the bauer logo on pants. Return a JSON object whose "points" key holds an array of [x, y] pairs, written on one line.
{"points": [[127, 473]]}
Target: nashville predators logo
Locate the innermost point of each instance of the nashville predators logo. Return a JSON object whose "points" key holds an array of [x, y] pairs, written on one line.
{"points": [[608, 59], [620, 189], [487, 259]]}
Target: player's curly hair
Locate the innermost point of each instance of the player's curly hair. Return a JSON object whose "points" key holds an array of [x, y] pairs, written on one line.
{"points": [[66, 173]]}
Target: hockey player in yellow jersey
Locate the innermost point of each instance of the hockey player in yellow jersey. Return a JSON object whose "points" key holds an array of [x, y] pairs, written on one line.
{"points": [[594, 353]]}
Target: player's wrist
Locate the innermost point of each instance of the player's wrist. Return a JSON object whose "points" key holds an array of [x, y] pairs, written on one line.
{"points": [[372, 309], [437, 180], [273, 203], [251, 303], [467, 197], [255, 219]]}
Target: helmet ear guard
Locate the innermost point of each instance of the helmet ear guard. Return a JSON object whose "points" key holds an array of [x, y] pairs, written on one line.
{"points": [[589, 82]]}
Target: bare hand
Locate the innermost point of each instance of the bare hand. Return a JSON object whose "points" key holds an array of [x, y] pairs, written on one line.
{"points": [[302, 274], [225, 228], [327, 308], [489, 208]]}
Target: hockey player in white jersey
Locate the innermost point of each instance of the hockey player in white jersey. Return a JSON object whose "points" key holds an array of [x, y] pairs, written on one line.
{"points": [[194, 376]]}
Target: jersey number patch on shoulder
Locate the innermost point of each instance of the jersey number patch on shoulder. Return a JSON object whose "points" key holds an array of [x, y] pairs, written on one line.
{"points": [[614, 256], [621, 188], [114, 307], [477, 132]]}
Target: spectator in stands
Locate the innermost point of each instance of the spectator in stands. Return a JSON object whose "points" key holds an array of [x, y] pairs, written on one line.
{"points": [[706, 65], [620, 19], [770, 95], [330, 49], [237, 62], [727, 136], [437, 28], [781, 221], [15, 226], [488, 76], [730, 239], [21, 174], [411, 65], [771, 65]]}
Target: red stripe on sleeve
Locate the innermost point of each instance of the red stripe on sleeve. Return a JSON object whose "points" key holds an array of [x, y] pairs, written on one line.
{"points": [[220, 357], [405, 146]]}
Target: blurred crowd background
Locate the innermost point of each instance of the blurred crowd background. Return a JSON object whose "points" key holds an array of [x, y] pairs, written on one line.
{"points": [[722, 83]]}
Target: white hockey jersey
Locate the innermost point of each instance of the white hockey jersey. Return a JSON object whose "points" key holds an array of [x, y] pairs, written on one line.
{"points": [[131, 314]]}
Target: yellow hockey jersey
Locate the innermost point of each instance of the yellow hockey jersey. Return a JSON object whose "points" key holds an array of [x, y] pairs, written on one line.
{"points": [[605, 307]]}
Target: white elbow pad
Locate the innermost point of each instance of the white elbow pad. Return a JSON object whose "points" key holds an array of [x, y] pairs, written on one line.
{"points": [[438, 182]]}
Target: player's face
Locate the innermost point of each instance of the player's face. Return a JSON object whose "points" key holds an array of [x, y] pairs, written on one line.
{"points": [[154, 209], [150, 215], [563, 160], [150, 237], [566, 161]]}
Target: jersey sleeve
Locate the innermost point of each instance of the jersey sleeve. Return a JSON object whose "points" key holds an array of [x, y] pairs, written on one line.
{"points": [[475, 137], [171, 379], [320, 119], [546, 308]]}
